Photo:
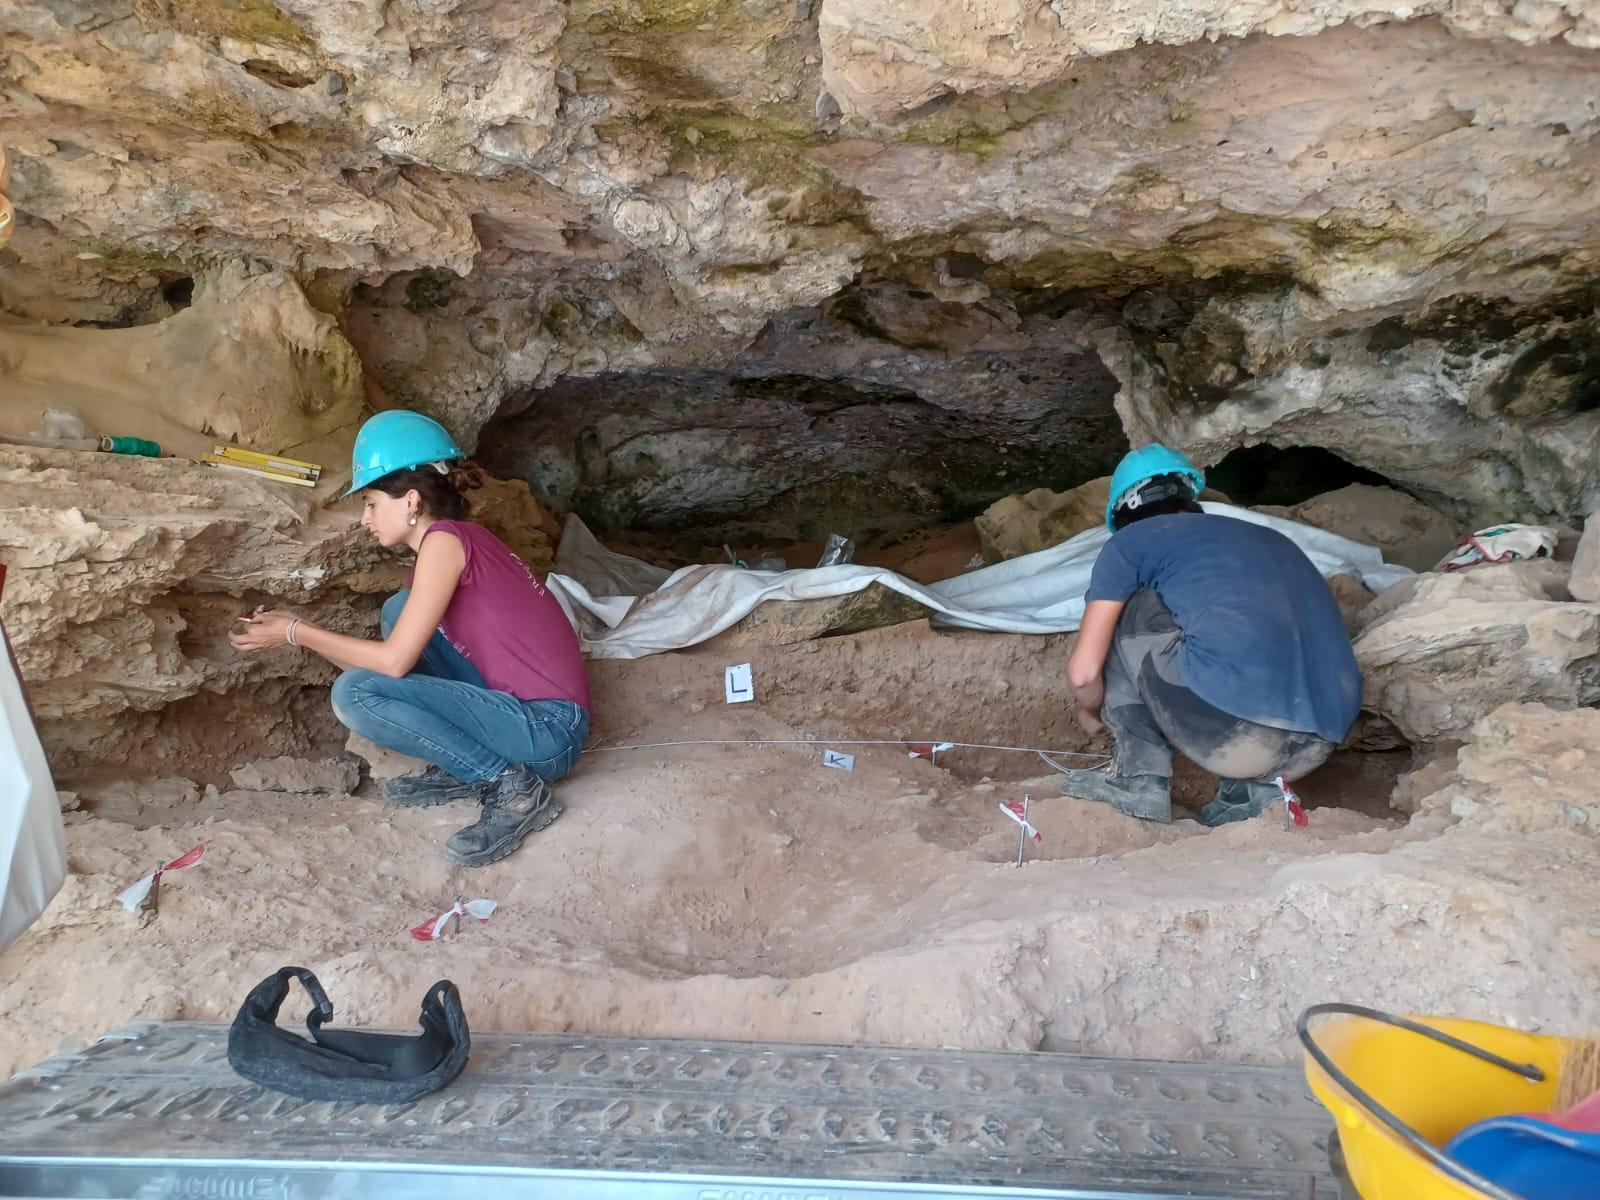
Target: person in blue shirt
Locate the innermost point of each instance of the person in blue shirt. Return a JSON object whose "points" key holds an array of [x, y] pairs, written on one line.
{"points": [[1209, 636]]}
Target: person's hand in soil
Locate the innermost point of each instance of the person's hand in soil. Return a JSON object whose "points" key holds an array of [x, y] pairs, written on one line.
{"points": [[1090, 721], [263, 630]]}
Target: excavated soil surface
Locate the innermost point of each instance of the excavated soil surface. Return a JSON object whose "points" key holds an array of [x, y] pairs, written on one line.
{"points": [[749, 892]]}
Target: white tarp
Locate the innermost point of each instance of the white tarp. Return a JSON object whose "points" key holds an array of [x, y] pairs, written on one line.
{"points": [[626, 609], [33, 845]]}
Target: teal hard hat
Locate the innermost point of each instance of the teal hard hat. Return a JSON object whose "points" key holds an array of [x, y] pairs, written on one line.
{"points": [[395, 440], [1147, 462]]}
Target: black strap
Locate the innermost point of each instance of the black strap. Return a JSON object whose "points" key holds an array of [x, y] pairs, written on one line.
{"points": [[398, 1054], [346, 1064]]}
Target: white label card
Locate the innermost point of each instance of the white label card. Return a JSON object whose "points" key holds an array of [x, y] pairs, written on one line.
{"points": [[741, 685], [843, 762]]}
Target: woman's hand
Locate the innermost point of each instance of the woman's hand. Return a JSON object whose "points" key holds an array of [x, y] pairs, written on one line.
{"points": [[262, 630]]}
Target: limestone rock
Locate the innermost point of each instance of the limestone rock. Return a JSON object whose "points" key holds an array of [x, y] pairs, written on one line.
{"points": [[884, 58], [1022, 524], [249, 361], [1419, 399], [1526, 767], [784, 622], [1353, 597], [126, 576], [1409, 532], [383, 764], [1550, 576], [1584, 583], [1018, 525], [1434, 769], [880, 409], [124, 795], [508, 510], [1372, 733], [286, 774], [1439, 652], [495, 207]]}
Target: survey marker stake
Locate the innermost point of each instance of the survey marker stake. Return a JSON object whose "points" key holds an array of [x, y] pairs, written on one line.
{"points": [[147, 889], [433, 928], [1018, 812], [931, 751], [1294, 813]]}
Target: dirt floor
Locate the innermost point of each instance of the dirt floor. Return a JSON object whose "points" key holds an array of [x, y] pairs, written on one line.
{"points": [[749, 892]]}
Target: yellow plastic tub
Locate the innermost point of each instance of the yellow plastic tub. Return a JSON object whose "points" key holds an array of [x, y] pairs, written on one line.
{"points": [[1400, 1088]]}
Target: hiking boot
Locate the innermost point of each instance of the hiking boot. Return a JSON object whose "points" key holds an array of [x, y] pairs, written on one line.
{"points": [[433, 786], [519, 804], [1148, 797], [1239, 800]]}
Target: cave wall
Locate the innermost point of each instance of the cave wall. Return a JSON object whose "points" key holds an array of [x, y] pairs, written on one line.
{"points": [[1484, 406], [123, 582], [883, 408], [1365, 227]]}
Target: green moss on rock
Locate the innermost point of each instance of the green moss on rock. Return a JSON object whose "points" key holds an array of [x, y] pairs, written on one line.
{"points": [[127, 261], [639, 16], [561, 317], [429, 291], [245, 20]]}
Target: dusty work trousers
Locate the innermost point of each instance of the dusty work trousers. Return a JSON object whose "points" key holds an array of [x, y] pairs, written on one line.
{"points": [[1151, 712], [445, 713]]}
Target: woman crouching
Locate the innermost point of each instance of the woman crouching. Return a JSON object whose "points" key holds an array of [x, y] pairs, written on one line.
{"points": [[478, 671]]}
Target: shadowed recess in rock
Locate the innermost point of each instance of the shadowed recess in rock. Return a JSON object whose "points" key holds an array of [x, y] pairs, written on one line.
{"points": [[1285, 475], [882, 409]]}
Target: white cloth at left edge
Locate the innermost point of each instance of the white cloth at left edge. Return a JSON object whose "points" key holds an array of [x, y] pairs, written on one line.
{"points": [[33, 844], [1037, 593]]}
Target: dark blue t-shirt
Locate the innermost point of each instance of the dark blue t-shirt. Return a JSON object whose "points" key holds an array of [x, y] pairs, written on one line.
{"points": [[1262, 635]]}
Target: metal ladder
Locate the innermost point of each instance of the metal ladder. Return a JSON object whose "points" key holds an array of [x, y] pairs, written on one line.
{"points": [[154, 1111]]}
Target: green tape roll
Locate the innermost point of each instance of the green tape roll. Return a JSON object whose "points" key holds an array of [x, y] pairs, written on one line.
{"points": [[133, 445]]}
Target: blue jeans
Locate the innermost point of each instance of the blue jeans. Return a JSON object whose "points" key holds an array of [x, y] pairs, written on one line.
{"points": [[445, 713]]}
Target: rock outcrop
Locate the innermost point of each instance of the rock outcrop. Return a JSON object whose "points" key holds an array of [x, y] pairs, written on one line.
{"points": [[250, 360], [1018, 525], [1526, 767], [1585, 581], [884, 408], [952, 241], [1022, 524], [1477, 405], [885, 58], [1408, 531], [125, 577], [285, 774], [1439, 652]]}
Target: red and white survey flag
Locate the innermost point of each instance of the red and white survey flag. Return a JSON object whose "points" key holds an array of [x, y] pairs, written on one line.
{"points": [[130, 898], [1293, 810], [430, 929], [929, 749], [1014, 810]]}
